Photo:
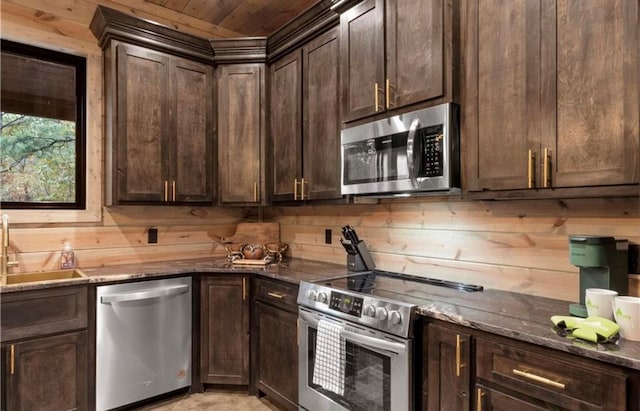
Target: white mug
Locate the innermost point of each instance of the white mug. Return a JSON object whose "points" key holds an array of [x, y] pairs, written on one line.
{"points": [[626, 311], [599, 302]]}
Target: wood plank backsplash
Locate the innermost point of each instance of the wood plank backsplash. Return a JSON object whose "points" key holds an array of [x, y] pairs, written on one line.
{"points": [[517, 245]]}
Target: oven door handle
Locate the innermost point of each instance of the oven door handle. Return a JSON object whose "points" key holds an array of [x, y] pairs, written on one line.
{"points": [[372, 342]]}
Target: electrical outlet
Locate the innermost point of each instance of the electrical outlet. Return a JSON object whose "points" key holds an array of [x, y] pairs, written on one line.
{"points": [[327, 236], [152, 236]]}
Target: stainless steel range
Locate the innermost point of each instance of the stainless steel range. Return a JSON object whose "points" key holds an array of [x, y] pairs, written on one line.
{"points": [[356, 342]]}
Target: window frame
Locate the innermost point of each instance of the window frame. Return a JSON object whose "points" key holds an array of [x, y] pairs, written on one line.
{"points": [[80, 65]]}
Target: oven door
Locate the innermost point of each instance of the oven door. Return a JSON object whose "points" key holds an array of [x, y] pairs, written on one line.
{"points": [[378, 373]]}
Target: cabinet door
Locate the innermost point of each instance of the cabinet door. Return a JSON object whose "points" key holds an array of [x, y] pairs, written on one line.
{"points": [[490, 399], [47, 373], [192, 91], [321, 136], [240, 132], [286, 127], [502, 108], [598, 97], [224, 329], [362, 59], [449, 369], [142, 142], [415, 58], [277, 368]]}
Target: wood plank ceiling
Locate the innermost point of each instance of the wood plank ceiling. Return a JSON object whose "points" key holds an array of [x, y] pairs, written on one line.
{"points": [[249, 17]]}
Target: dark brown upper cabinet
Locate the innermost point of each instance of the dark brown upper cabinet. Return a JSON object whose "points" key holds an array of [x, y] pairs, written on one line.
{"points": [[305, 122], [551, 105], [240, 98], [159, 112], [395, 53]]}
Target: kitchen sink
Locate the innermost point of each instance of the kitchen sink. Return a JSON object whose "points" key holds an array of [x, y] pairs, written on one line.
{"points": [[42, 276]]}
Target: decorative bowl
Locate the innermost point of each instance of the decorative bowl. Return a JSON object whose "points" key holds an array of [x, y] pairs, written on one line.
{"points": [[253, 251]]}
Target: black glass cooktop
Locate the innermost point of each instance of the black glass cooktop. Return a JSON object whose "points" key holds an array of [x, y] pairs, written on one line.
{"points": [[393, 285]]}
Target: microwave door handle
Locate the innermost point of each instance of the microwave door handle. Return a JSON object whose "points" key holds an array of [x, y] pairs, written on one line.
{"points": [[372, 342], [411, 147]]}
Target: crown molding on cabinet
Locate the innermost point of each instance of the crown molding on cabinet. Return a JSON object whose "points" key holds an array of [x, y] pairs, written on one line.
{"points": [[108, 24], [239, 50], [339, 6], [309, 24]]}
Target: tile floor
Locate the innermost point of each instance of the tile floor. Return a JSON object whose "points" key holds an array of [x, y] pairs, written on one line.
{"points": [[213, 401]]}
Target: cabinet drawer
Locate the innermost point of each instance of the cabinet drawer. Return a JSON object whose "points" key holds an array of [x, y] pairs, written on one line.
{"points": [[282, 294], [565, 380], [40, 312]]}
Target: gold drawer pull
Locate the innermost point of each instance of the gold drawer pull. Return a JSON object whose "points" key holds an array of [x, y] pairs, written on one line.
{"points": [[539, 379], [276, 295], [166, 190], [173, 191]]}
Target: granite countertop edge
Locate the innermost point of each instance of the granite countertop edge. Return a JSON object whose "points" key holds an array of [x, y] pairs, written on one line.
{"points": [[441, 304]]}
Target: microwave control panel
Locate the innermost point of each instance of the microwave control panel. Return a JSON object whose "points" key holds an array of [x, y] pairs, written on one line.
{"points": [[432, 139]]}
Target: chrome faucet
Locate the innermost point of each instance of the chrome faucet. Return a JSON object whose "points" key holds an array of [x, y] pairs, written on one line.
{"points": [[5, 264]]}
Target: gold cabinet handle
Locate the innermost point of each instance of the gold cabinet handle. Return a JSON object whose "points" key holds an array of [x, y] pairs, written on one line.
{"points": [[459, 364], [375, 96], [244, 288], [276, 295], [537, 378], [546, 181], [13, 359], [302, 183], [166, 191], [387, 93], [173, 191], [295, 189], [479, 395], [531, 178], [255, 192]]}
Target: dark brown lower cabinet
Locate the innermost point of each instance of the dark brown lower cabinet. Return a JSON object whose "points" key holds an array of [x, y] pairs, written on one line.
{"points": [[449, 368], [276, 342], [224, 328], [491, 399], [468, 369], [545, 379], [48, 373]]}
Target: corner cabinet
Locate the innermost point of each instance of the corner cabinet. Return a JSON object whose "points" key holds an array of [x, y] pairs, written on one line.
{"points": [[159, 113], [224, 329], [551, 98], [240, 98], [45, 349], [305, 122], [275, 347], [395, 53]]}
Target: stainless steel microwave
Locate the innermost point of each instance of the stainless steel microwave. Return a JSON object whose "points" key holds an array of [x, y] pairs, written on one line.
{"points": [[405, 154]]}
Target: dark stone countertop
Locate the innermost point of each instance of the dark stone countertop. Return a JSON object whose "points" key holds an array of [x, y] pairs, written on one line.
{"points": [[519, 316]]}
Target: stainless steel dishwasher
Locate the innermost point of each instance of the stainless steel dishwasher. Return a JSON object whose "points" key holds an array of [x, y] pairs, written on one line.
{"points": [[143, 340]]}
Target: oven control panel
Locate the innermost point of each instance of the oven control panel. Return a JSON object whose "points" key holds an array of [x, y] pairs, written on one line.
{"points": [[391, 316], [345, 303]]}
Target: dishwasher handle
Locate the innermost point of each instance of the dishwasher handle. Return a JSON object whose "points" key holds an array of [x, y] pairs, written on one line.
{"points": [[144, 295]]}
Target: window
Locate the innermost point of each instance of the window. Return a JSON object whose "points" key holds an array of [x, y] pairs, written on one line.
{"points": [[42, 121]]}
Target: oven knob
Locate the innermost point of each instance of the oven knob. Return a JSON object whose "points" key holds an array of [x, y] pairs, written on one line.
{"points": [[312, 295], [395, 317], [381, 313], [370, 310], [322, 297]]}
